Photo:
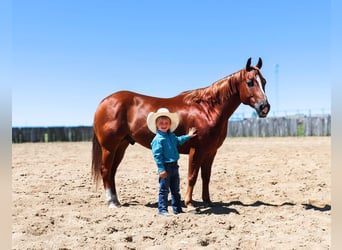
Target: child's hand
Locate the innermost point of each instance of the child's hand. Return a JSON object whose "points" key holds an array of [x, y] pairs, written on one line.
{"points": [[163, 174], [192, 132]]}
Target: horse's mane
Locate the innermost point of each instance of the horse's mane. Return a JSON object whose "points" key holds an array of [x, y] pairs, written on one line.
{"points": [[216, 93]]}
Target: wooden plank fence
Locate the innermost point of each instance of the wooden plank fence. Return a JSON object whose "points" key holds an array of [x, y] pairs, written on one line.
{"points": [[51, 134], [281, 126], [253, 127]]}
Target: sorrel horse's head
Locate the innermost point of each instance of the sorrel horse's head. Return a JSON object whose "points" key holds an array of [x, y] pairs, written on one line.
{"points": [[252, 89]]}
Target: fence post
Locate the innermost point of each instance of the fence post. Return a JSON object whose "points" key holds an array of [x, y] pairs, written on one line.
{"points": [[46, 137]]}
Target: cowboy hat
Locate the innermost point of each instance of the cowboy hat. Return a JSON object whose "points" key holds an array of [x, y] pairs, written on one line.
{"points": [[152, 117]]}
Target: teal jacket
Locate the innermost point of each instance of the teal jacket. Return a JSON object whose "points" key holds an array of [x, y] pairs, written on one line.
{"points": [[164, 148]]}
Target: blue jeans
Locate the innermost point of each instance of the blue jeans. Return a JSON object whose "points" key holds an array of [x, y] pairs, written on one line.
{"points": [[171, 182]]}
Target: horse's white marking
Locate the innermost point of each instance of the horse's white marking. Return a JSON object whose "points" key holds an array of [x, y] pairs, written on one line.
{"points": [[112, 205], [112, 199], [109, 195], [259, 82]]}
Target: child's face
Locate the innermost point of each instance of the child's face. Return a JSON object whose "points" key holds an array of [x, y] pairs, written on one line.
{"points": [[163, 124]]}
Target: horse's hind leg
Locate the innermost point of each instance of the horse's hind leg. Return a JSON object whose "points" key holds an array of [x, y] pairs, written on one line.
{"points": [[106, 173], [111, 162]]}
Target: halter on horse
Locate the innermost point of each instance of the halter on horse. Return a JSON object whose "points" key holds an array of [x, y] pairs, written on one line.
{"points": [[120, 120]]}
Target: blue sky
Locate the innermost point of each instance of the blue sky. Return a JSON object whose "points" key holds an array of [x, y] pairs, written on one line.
{"points": [[68, 55]]}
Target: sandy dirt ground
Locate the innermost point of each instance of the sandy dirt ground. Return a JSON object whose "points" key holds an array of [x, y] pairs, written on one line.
{"points": [[267, 193]]}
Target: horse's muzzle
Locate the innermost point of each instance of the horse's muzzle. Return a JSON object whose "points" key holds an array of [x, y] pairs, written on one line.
{"points": [[263, 108]]}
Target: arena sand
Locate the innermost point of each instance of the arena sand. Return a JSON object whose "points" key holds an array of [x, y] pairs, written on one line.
{"points": [[267, 193]]}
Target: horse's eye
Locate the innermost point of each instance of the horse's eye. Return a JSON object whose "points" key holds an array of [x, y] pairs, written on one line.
{"points": [[250, 83]]}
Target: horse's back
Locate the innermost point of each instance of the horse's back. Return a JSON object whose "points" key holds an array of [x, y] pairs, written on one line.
{"points": [[123, 115]]}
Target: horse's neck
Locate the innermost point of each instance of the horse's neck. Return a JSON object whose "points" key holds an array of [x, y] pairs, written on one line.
{"points": [[219, 100], [219, 114], [230, 106], [232, 102]]}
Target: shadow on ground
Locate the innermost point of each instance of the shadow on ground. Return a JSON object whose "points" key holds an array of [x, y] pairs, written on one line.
{"points": [[232, 207]]}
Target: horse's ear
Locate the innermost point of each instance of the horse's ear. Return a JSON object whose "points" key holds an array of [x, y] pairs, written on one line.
{"points": [[248, 64], [259, 64]]}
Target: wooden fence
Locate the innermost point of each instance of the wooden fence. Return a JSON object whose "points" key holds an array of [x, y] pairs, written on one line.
{"points": [[281, 126], [253, 127], [51, 134]]}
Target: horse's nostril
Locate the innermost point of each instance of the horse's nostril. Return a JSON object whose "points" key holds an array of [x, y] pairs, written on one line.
{"points": [[264, 108]]}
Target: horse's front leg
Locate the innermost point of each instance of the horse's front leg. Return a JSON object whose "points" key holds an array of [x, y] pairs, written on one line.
{"points": [[193, 169], [108, 175], [205, 174]]}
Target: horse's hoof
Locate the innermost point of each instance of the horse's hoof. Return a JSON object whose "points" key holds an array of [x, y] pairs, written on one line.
{"points": [[193, 210], [114, 205]]}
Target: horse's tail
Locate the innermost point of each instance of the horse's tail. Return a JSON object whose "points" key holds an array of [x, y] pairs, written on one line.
{"points": [[96, 160]]}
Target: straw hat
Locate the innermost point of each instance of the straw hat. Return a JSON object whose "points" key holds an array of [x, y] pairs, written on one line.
{"points": [[152, 117]]}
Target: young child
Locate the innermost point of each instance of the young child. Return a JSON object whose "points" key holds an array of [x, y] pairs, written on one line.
{"points": [[165, 154]]}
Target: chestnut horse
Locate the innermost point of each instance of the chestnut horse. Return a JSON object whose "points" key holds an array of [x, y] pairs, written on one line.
{"points": [[120, 120]]}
